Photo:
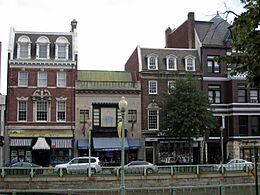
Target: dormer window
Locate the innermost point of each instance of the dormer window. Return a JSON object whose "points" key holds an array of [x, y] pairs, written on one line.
{"points": [[62, 49], [171, 62], [152, 62], [190, 63], [24, 47], [43, 48]]}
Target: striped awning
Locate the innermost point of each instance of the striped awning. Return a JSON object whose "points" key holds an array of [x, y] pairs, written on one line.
{"points": [[21, 142], [61, 143]]}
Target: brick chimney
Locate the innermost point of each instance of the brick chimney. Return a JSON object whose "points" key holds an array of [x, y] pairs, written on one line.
{"points": [[73, 25], [191, 28]]}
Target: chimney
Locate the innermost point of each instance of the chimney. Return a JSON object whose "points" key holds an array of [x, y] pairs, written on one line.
{"points": [[167, 33], [73, 25], [191, 28]]}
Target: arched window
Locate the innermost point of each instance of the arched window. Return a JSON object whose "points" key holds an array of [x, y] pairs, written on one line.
{"points": [[61, 48], [153, 116], [24, 47], [190, 63], [171, 62], [42, 48], [152, 62]]}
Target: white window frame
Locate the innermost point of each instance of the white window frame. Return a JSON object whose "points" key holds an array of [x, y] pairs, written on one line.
{"points": [[152, 87], [169, 59], [22, 100], [61, 42], [61, 81], [42, 41], [187, 67], [171, 85], [150, 119], [22, 82], [149, 61], [47, 110], [60, 110], [26, 42], [42, 82]]}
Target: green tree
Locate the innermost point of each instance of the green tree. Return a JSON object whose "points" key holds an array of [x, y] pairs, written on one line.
{"points": [[245, 37], [188, 111]]}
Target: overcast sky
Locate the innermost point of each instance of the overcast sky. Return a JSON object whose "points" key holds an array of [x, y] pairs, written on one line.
{"points": [[108, 30]]}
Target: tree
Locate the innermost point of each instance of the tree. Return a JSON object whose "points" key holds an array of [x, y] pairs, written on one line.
{"points": [[245, 37], [188, 111]]}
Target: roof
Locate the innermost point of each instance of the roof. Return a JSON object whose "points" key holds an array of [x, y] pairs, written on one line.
{"points": [[95, 75], [214, 32]]}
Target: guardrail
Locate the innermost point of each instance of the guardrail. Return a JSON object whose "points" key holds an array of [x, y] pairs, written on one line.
{"points": [[113, 171], [230, 189]]}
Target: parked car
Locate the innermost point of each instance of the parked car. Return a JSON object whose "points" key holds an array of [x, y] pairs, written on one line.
{"points": [[236, 165], [138, 167], [25, 165], [80, 165]]}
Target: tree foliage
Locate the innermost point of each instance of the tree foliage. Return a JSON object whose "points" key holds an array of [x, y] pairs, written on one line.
{"points": [[188, 110], [245, 35]]}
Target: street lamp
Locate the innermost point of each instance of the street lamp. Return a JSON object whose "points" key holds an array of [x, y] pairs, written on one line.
{"points": [[123, 107]]}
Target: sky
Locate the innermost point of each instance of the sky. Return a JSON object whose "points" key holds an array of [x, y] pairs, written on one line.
{"points": [[108, 30]]}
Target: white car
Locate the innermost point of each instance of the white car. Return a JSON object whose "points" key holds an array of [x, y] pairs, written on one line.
{"points": [[80, 165], [138, 167], [237, 165]]}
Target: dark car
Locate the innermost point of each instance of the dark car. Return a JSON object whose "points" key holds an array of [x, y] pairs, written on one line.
{"points": [[25, 165]]}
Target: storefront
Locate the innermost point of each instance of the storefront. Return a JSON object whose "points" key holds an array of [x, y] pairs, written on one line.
{"points": [[45, 151]]}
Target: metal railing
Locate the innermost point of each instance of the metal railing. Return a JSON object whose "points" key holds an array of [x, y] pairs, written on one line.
{"points": [[113, 171], [230, 189]]}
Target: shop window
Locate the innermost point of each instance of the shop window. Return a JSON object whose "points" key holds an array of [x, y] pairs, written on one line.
{"points": [[243, 125]]}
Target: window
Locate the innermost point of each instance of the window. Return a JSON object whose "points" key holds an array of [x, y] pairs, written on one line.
{"points": [[61, 110], [171, 86], [241, 93], [153, 119], [152, 61], [42, 111], [152, 87], [255, 125], [61, 79], [42, 48], [171, 62], [23, 47], [84, 116], [42, 79], [213, 66], [243, 122], [190, 63], [214, 94], [132, 115], [253, 96], [22, 79], [22, 110], [62, 49]]}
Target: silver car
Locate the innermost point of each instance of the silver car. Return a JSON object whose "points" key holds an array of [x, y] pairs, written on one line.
{"points": [[138, 167], [237, 165], [80, 165]]}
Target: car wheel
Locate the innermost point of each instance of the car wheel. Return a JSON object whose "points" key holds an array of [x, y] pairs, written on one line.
{"points": [[93, 171], [149, 171]]}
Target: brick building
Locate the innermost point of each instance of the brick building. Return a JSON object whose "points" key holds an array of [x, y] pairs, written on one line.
{"points": [[235, 105], [41, 96]]}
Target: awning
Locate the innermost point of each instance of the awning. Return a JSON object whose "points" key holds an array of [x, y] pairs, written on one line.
{"points": [[20, 142], [61, 143], [83, 144], [134, 143], [108, 143], [41, 144]]}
